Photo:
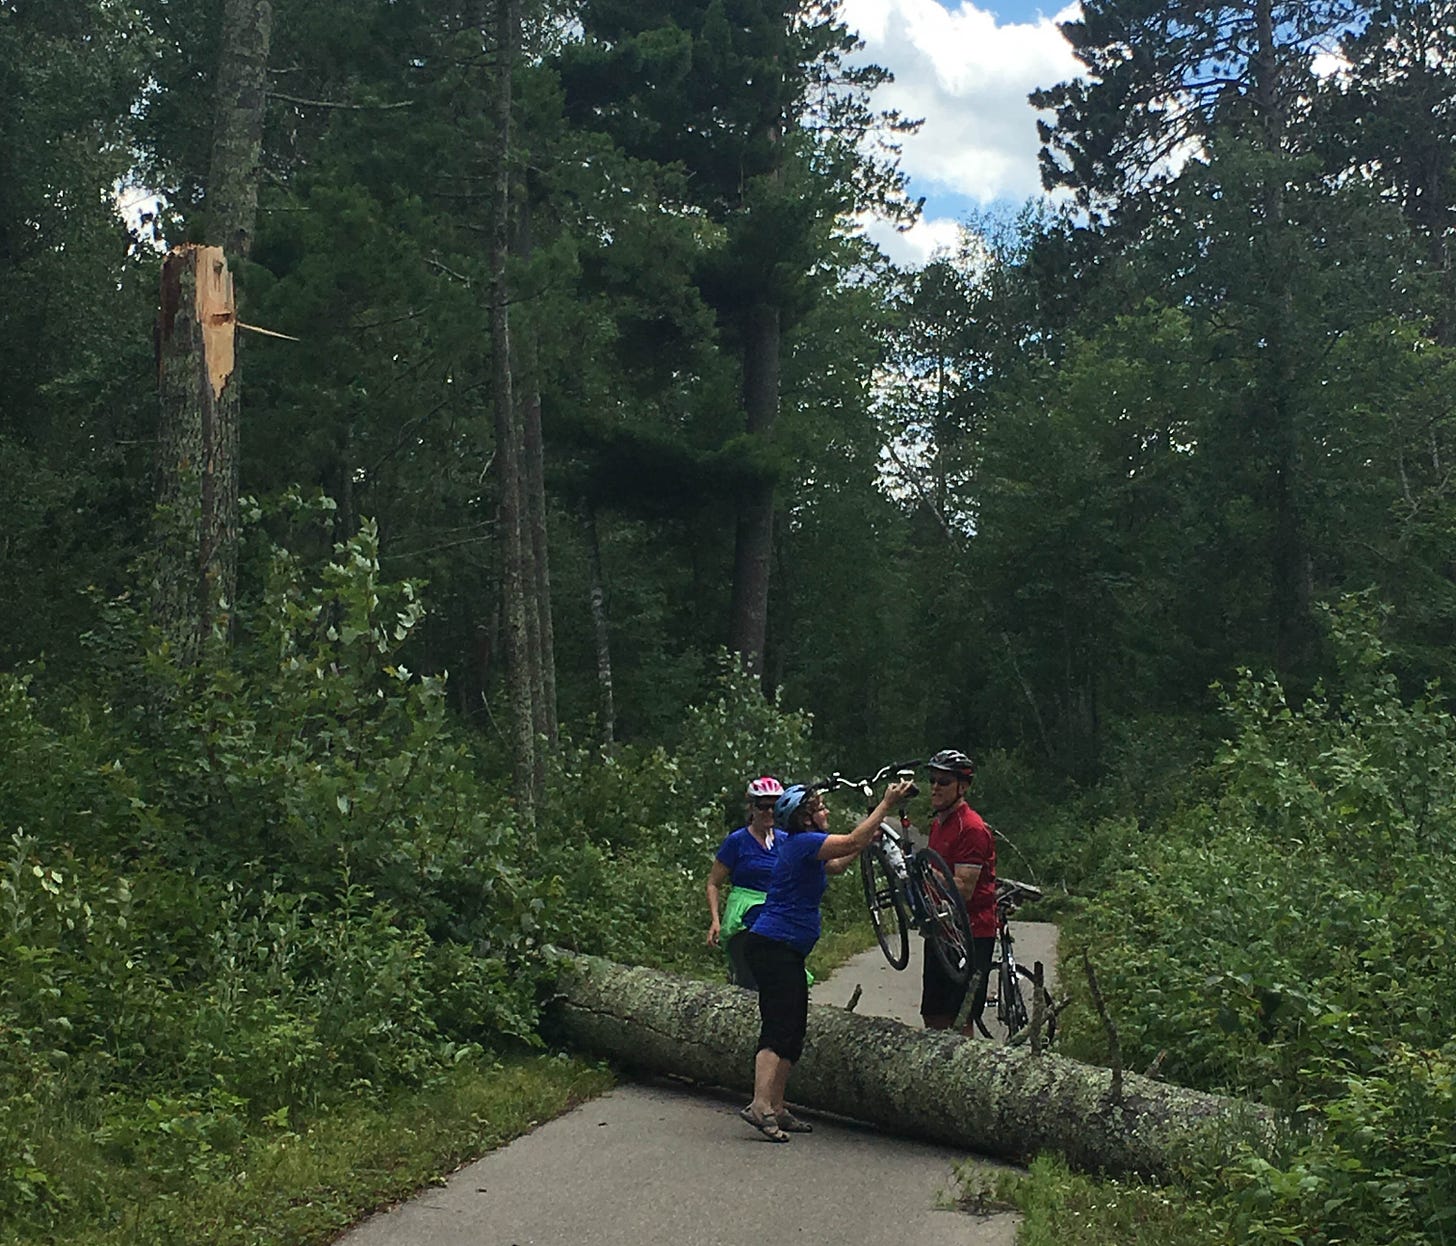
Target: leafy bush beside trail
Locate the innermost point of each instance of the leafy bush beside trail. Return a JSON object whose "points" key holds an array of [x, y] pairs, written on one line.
{"points": [[1286, 938], [231, 900]]}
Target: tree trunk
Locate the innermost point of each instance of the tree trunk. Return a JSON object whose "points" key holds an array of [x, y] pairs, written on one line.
{"points": [[1290, 607], [753, 548], [197, 464], [237, 137], [533, 478], [930, 1085], [599, 626], [519, 691], [197, 451], [538, 595], [537, 578]]}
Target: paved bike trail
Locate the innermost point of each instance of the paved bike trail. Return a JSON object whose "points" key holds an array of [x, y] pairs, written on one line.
{"points": [[885, 993], [663, 1162]]}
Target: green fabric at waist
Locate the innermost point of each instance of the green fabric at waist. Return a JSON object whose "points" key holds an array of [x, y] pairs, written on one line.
{"points": [[740, 900]]}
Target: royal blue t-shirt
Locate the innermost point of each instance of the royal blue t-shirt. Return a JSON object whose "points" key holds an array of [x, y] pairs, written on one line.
{"points": [[749, 863], [791, 912]]}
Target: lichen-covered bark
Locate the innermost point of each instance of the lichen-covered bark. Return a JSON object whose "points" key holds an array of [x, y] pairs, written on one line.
{"points": [[932, 1085]]}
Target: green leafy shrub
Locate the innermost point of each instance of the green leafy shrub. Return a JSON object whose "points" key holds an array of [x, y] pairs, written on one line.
{"points": [[265, 885], [249, 892], [627, 839], [1288, 940]]}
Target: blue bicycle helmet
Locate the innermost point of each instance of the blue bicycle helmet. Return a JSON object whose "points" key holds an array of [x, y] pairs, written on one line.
{"points": [[788, 804]]}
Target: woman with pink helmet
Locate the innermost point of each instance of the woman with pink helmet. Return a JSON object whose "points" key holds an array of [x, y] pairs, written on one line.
{"points": [[744, 861]]}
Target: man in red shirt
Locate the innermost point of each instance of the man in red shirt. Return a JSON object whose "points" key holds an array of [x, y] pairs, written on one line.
{"points": [[959, 835]]}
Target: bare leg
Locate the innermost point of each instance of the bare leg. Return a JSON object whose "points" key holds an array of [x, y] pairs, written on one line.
{"points": [[766, 1075], [779, 1083]]}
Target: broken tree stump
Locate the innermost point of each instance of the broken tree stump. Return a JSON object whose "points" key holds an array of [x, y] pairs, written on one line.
{"points": [[931, 1085]]}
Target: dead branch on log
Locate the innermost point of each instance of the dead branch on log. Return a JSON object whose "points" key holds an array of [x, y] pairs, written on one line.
{"points": [[1114, 1049], [1033, 1030], [1038, 1006], [963, 1014]]}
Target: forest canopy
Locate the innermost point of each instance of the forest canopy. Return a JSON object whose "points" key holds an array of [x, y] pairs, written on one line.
{"points": [[502, 440]]}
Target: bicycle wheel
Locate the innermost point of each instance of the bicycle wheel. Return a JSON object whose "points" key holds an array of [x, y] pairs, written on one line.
{"points": [[886, 905], [1048, 1006], [1012, 1005], [943, 911]]}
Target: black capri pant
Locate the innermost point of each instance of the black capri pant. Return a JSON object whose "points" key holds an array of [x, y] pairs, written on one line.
{"points": [[783, 995], [940, 997]]}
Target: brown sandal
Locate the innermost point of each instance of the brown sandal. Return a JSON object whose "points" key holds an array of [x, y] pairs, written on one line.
{"points": [[791, 1124], [766, 1124]]}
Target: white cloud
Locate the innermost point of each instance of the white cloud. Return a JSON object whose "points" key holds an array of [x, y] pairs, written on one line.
{"points": [[968, 76], [914, 247]]}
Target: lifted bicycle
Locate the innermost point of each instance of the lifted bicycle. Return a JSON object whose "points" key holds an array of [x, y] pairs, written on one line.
{"points": [[906, 888]]}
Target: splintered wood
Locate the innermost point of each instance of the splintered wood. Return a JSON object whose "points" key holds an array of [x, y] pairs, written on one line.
{"points": [[213, 308]]}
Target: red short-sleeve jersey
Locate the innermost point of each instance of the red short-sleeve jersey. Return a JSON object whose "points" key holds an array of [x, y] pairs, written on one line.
{"points": [[962, 838]]}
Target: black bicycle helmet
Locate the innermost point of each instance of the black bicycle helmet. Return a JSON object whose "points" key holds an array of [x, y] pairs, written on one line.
{"points": [[954, 761]]}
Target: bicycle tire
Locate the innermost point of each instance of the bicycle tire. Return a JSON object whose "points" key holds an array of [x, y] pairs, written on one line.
{"points": [[1018, 997], [886, 904], [996, 976], [947, 923]]}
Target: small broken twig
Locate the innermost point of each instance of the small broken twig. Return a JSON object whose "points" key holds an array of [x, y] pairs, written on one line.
{"points": [[963, 1016], [1114, 1051], [1038, 1007]]}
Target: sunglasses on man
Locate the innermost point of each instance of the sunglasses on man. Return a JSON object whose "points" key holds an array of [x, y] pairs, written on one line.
{"points": [[943, 780], [764, 805]]}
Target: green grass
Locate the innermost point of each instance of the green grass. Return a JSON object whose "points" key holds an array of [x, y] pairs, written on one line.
{"points": [[301, 1188], [1059, 1206], [841, 940]]}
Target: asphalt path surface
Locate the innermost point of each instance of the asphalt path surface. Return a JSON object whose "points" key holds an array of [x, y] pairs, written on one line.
{"points": [[664, 1162]]}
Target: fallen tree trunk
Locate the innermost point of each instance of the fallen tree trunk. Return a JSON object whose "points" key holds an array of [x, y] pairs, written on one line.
{"points": [[930, 1085]]}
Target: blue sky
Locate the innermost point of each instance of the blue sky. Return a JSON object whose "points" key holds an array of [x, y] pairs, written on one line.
{"points": [[966, 68]]}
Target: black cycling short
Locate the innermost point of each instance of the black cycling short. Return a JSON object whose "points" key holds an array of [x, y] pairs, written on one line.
{"points": [[940, 997], [783, 995]]}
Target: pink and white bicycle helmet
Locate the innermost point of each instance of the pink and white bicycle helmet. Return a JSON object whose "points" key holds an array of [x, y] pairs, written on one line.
{"points": [[766, 786]]}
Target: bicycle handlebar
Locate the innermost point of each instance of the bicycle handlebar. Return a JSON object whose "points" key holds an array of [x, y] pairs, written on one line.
{"points": [[1012, 893], [866, 786]]}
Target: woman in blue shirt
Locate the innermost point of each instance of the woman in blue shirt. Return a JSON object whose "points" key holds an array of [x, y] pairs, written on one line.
{"points": [[745, 860], [783, 934]]}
